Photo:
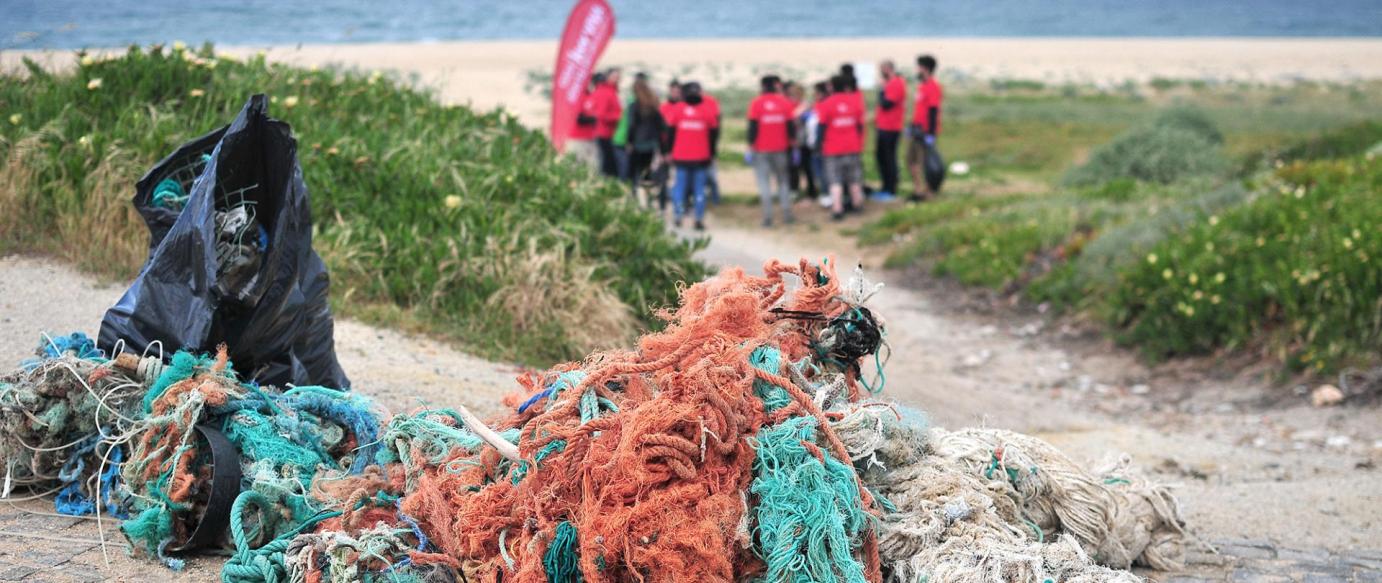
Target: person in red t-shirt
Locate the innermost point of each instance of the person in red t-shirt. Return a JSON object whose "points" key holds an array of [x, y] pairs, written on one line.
{"points": [[608, 111], [852, 89], [771, 130], [892, 108], [841, 136], [926, 125], [580, 141], [693, 129]]}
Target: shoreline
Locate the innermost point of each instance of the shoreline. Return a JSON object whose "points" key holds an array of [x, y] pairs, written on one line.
{"points": [[510, 73]]}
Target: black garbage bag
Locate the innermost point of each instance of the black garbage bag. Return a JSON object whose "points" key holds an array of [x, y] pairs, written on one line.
{"points": [[934, 168], [231, 259]]}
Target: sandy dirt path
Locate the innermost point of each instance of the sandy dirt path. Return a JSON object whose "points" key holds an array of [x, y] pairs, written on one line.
{"points": [[1230, 459]]}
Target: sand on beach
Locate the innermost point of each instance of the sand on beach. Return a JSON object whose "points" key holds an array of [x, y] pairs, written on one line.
{"points": [[512, 74]]}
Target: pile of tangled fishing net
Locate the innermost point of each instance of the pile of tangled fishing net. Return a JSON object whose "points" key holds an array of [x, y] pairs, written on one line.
{"points": [[739, 443]]}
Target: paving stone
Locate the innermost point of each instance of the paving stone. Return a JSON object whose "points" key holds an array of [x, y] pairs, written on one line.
{"points": [[1367, 576], [1244, 542], [1374, 554], [1304, 555], [12, 572], [1324, 578], [1241, 575], [1189, 579], [1248, 551], [1199, 558], [43, 523], [81, 573], [1360, 560], [52, 554]]}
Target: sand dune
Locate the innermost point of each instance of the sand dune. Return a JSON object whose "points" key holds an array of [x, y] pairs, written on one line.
{"points": [[502, 73]]}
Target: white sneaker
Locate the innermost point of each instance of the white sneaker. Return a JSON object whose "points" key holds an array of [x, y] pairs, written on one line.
{"points": [[826, 201]]}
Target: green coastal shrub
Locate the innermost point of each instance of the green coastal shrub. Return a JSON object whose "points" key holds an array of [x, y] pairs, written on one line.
{"points": [[1180, 143], [1192, 119], [1152, 153], [435, 218], [1351, 140], [1293, 270]]}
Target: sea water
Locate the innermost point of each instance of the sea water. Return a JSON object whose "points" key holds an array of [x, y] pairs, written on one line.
{"points": [[106, 23]]}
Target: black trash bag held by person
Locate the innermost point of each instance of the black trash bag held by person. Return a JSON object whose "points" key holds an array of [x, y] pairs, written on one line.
{"points": [[231, 259], [934, 168]]}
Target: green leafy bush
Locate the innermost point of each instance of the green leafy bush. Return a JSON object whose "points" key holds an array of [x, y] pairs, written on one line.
{"points": [[439, 218], [1150, 153], [1294, 269], [1191, 119], [1161, 211], [1344, 142]]}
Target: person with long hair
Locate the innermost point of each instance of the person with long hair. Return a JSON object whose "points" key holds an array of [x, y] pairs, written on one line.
{"points": [[663, 172], [801, 154], [644, 137]]}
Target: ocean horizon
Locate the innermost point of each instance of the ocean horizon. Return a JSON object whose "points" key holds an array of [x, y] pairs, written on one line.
{"points": [[40, 24]]}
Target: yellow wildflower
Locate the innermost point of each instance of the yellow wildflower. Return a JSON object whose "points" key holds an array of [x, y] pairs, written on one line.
{"points": [[94, 84], [452, 201], [197, 92], [290, 101], [1151, 258], [15, 118]]}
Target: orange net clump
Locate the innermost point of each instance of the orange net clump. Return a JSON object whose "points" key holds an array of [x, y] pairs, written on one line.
{"points": [[637, 465]]}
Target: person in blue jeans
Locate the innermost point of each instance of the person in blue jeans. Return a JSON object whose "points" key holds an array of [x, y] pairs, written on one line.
{"points": [[693, 131], [691, 177]]}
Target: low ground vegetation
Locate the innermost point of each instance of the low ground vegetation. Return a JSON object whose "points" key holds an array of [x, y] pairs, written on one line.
{"points": [[436, 218], [1184, 233]]}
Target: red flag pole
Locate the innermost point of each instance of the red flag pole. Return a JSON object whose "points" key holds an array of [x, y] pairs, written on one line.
{"points": [[587, 33]]}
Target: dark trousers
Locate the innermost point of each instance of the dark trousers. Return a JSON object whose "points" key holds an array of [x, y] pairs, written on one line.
{"points": [[609, 164], [886, 156], [639, 164], [801, 168]]}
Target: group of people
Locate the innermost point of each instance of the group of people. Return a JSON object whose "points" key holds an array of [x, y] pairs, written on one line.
{"points": [[791, 138]]}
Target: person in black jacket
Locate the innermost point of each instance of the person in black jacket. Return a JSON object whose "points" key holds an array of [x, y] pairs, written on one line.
{"points": [[644, 138]]}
